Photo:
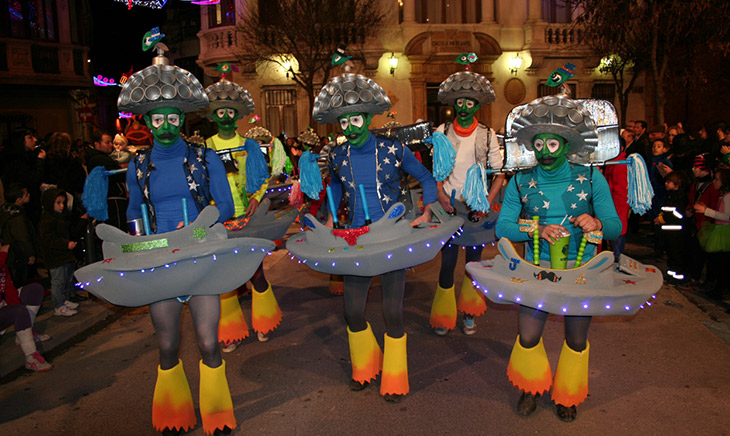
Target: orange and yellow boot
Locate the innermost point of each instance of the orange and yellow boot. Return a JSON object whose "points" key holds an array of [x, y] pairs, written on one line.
{"points": [[265, 312], [529, 371], [216, 405], [365, 356], [443, 310], [232, 327], [172, 403], [394, 382], [571, 381]]}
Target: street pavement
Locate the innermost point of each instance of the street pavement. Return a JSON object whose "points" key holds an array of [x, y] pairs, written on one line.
{"points": [[663, 371]]}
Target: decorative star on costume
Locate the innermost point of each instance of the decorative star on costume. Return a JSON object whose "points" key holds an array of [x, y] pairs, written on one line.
{"points": [[570, 188], [193, 185], [583, 195], [392, 149], [532, 183], [573, 206], [581, 178], [545, 204]]}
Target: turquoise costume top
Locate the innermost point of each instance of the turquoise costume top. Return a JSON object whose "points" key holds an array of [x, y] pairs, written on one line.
{"points": [[570, 190]]}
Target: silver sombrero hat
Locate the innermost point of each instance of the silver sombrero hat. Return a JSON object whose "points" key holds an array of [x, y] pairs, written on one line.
{"points": [[227, 94], [349, 93], [466, 84], [161, 85]]}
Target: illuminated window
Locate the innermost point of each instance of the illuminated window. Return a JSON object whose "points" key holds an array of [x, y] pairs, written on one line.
{"points": [[281, 110], [36, 19], [448, 11], [222, 14]]}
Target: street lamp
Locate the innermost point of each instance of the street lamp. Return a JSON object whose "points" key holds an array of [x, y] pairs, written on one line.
{"points": [[514, 64], [393, 62]]}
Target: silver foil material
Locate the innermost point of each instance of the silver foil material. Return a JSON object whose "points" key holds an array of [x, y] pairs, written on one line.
{"points": [[349, 93], [227, 94], [159, 86], [466, 84]]}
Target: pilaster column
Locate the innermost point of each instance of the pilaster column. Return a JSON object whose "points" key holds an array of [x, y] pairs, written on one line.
{"points": [[488, 12], [534, 13], [409, 11]]}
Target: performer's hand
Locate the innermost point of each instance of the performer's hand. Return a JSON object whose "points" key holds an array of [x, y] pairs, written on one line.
{"points": [[71, 245], [42, 154], [700, 207], [587, 223], [253, 204], [425, 218], [552, 232], [180, 225], [31, 260], [445, 201]]}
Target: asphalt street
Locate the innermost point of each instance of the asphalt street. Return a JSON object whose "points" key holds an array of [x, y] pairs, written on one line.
{"points": [[663, 371]]}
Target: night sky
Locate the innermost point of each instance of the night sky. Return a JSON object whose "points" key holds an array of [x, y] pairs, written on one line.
{"points": [[118, 32]]}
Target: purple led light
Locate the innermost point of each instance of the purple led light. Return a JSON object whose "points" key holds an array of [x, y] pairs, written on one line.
{"points": [[357, 263], [428, 244], [539, 306], [235, 251], [627, 308], [333, 264], [518, 299], [585, 305], [410, 249], [565, 309], [500, 295], [389, 255], [167, 265], [608, 307], [142, 271], [121, 274]]}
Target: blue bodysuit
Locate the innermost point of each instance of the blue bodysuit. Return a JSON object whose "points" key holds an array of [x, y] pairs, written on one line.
{"points": [[376, 165], [168, 185], [570, 190]]}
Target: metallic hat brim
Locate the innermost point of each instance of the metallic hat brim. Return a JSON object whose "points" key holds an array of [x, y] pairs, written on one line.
{"points": [[162, 86]]}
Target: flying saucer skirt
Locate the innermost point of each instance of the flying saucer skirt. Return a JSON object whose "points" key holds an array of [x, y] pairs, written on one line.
{"points": [[264, 223], [387, 245], [597, 287], [198, 259]]}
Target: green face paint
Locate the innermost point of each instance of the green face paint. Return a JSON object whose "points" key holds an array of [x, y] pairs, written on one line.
{"points": [[226, 118], [550, 150], [165, 124], [465, 109], [355, 127]]}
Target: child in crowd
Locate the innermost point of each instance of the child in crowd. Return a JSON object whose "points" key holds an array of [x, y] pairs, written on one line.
{"points": [[55, 235], [702, 191], [18, 231], [715, 237], [19, 309], [660, 167], [673, 225]]}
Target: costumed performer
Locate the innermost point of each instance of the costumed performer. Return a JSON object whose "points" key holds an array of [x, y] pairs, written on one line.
{"points": [[555, 128], [475, 145], [376, 164], [160, 178], [230, 102]]}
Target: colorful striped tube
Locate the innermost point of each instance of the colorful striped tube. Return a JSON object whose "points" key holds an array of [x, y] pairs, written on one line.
{"points": [[443, 308], [365, 355], [232, 326], [266, 315], [216, 405], [172, 403], [529, 369], [395, 367], [470, 302], [571, 377]]}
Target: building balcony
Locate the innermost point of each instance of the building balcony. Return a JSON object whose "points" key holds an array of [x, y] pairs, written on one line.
{"points": [[219, 44], [43, 63]]}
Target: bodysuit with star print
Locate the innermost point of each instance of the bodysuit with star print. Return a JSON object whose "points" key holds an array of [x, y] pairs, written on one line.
{"points": [[168, 184], [376, 165], [570, 190]]}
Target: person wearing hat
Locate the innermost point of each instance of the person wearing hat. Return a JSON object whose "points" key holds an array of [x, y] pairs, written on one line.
{"points": [[160, 179], [377, 164], [702, 190], [474, 143], [247, 173], [569, 199]]}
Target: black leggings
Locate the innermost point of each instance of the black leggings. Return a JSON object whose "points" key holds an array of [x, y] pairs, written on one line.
{"points": [[449, 256], [532, 323], [205, 310], [258, 281], [356, 297]]}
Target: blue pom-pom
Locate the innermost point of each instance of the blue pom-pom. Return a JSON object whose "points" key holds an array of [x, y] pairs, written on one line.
{"points": [[95, 192], [640, 190], [444, 155], [309, 176], [475, 189], [257, 170]]}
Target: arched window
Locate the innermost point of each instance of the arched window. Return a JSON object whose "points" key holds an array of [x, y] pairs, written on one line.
{"points": [[448, 11]]}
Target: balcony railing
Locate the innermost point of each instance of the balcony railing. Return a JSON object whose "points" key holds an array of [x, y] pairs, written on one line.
{"points": [[563, 35], [218, 42]]}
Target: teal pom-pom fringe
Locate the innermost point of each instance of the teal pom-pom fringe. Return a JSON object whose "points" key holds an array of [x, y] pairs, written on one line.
{"points": [[257, 170], [475, 189], [94, 195], [309, 176], [640, 190], [444, 155]]}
